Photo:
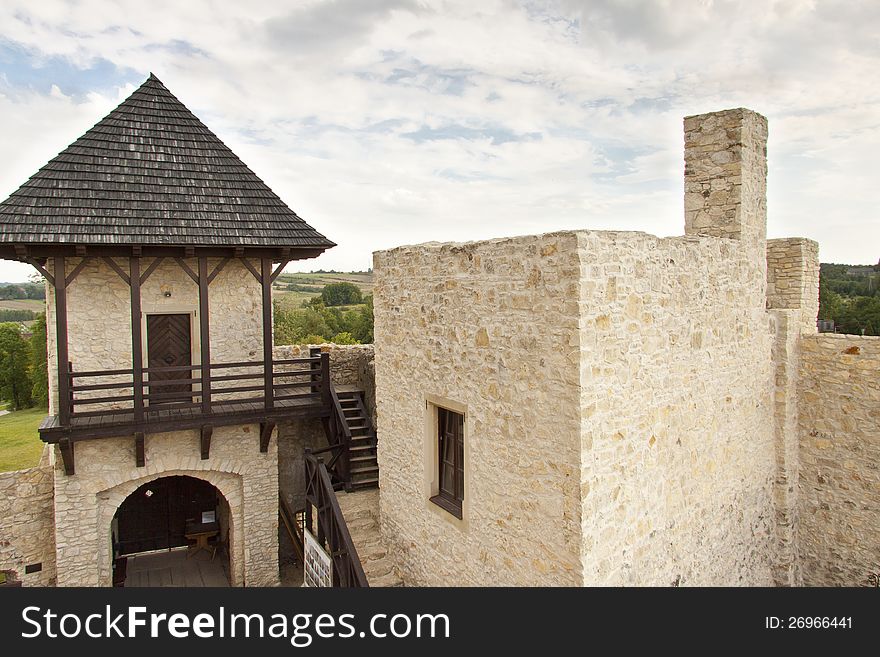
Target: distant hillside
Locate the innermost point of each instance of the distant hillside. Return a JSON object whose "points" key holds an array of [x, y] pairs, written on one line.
{"points": [[850, 296], [292, 289]]}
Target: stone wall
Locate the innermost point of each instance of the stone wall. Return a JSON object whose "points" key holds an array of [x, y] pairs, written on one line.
{"points": [[793, 278], [725, 176], [106, 474], [786, 327], [27, 531], [839, 429], [677, 460], [490, 329]]}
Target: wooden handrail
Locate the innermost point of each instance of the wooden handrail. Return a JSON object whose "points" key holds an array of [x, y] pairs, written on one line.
{"points": [[332, 529], [281, 388]]}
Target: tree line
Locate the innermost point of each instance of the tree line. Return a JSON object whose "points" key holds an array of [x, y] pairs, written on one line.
{"points": [[30, 290], [24, 380], [850, 296]]}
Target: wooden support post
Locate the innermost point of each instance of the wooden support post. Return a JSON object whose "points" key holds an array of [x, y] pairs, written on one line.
{"points": [[266, 429], [314, 352], [268, 379], [140, 459], [137, 354], [204, 335], [325, 379], [65, 445], [62, 356], [206, 432]]}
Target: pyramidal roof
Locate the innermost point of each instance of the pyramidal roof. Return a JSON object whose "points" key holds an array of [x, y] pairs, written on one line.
{"points": [[151, 173]]}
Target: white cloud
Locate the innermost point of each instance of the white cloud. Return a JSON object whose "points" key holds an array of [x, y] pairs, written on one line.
{"points": [[387, 122]]}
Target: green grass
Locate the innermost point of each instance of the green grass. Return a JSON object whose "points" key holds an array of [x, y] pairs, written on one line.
{"points": [[20, 444]]}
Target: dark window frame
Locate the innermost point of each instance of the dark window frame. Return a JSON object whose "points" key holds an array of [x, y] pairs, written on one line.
{"points": [[450, 442]]}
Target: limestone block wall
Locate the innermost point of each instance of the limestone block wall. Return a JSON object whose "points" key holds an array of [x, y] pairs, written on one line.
{"points": [[99, 315], [27, 530], [839, 431], [786, 328], [725, 176], [106, 474], [677, 444], [490, 328], [793, 278]]}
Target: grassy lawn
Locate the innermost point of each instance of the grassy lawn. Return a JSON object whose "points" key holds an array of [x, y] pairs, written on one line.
{"points": [[20, 445]]}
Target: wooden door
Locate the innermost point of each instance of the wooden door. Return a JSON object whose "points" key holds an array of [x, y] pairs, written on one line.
{"points": [[168, 345]]}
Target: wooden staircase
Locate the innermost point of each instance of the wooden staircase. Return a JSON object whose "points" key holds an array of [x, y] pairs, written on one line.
{"points": [[363, 466]]}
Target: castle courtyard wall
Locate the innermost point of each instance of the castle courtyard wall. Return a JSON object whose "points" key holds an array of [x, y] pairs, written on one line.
{"points": [[677, 461], [839, 432], [488, 329]]}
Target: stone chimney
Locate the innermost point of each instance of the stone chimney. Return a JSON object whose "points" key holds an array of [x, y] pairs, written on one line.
{"points": [[725, 176]]}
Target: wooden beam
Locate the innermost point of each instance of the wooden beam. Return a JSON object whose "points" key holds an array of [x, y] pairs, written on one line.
{"points": [[65, 446], [266, 429], [189, 252], [80, 250], [279, 269], [238, 252], [140, 460], [252, 269], [112, 264], [268, 380], [217, 269], [185, 267], [45, 274], [61, 346], [156, 262], [204, 334], [76, 270], [205, 440], [137, 354]]}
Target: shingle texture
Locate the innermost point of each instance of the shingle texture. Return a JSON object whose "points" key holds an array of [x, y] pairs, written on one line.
{"points": [[151, 173]]}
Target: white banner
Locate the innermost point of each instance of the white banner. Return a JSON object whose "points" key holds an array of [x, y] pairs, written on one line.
{"points": [[318, 566]]}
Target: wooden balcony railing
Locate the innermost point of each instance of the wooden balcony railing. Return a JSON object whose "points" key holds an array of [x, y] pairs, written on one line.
{"points": [[331, 531], [284, 383]]}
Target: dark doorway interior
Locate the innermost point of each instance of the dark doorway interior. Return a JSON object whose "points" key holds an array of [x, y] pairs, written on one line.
{"points": [[154, 516], [169, 345]]}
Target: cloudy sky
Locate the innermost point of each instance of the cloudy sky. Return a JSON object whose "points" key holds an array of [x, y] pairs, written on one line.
{"points": [[385, 122]]}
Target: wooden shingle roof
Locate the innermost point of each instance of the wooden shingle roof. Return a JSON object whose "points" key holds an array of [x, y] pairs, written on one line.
{"points": [[151, 173]]}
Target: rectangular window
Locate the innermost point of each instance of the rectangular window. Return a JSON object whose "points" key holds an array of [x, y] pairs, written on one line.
{"points": [[450, 446]]}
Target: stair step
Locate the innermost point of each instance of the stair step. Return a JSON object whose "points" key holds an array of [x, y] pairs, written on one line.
{"points": [[365, 483], [369, 468], [360, 459]]}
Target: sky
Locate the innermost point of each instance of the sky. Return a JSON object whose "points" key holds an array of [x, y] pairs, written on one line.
{"points": [[388, 122]]}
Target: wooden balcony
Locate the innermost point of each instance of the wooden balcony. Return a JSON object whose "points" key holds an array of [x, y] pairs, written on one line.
{"points": [[107, 403]]}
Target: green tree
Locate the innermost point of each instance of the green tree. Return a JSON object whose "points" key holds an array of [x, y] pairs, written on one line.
{"points": [[15, 360], [343, 338], [341, 294], [39, 362]]}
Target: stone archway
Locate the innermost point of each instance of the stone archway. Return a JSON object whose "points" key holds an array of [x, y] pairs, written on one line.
{"points": [[229, 488]]}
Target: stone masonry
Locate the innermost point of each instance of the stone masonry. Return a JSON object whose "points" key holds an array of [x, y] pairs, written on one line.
{"points": [[632, 404], [106, 474], [839, 432], [27, 529]]}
